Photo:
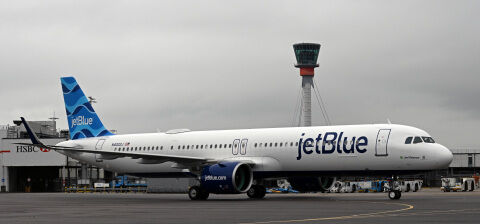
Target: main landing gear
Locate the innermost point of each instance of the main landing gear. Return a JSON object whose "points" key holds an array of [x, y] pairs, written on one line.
{"points": [[197, 193], [393, 189], [257, 192]]}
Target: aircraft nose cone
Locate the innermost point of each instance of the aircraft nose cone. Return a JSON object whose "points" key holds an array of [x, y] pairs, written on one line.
{"points": [[446, 157]]}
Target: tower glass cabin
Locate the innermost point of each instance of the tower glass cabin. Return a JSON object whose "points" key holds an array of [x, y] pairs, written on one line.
{"points": [[306, 54]]}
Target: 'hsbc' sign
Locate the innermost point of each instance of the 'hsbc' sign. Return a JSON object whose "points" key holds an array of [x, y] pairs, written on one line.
{"points": [[23, 148]]}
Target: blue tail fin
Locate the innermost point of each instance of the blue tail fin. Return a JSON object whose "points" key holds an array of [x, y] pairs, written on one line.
{"points": [[83, 122]]}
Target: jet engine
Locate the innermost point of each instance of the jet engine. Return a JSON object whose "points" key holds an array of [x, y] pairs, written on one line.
{"points": [[227, 178], [312, 184]]}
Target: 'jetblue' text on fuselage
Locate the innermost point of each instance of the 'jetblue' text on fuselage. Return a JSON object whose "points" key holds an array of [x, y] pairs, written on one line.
{"points": [[330, 143]]}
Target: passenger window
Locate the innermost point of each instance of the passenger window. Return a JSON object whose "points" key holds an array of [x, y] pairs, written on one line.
{"points": [[417, 140], [281, 144], [408, 140], [255, 145], [275, 144]]}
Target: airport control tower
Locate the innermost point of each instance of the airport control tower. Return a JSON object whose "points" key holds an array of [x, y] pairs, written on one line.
{"points": [[307, 55]]}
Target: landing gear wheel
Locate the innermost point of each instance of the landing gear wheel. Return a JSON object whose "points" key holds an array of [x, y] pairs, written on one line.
{"points": [[394, 195], [197, 193], [256, 192], [416, 188]]}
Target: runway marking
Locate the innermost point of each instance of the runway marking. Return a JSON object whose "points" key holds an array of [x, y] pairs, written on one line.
{"points": [[365, 215], [453, 211]]}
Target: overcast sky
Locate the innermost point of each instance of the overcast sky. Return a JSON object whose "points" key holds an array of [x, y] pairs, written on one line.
{"points": [[229, 64]]}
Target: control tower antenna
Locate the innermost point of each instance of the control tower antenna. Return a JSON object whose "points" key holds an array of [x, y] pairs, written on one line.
{"points": [[307, 55]]}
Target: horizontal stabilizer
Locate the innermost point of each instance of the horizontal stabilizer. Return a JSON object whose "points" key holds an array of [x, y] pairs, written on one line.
{"points": [[36, 141]]}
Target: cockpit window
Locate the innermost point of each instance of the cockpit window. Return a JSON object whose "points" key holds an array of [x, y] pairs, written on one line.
{"points": [[408, 140], [428, 139], [417, 140]]}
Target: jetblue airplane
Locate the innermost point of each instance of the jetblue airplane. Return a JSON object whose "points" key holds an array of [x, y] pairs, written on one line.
{"points": [[239, 161]]}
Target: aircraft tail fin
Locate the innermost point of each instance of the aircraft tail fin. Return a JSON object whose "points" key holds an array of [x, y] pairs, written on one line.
{"points": [[83, 121]]}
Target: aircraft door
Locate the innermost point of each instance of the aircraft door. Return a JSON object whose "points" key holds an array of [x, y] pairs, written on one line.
{"points": [[243, 146], [382, 142], [99, 146], [235, 146]]}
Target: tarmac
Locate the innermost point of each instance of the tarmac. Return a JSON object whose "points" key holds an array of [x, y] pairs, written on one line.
{"points": [[426, 206]]}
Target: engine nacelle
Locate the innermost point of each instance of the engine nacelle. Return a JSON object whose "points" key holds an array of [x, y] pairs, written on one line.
{"points": [[312, 184], [227, 178]]}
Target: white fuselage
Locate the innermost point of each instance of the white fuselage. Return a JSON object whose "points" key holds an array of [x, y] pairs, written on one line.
{"points": [[275, 151]]}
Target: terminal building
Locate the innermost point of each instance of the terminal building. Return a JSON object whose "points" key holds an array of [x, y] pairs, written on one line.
{"points": [[31, 169]]}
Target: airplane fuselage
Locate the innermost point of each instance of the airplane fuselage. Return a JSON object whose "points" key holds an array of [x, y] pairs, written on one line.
{"points": [[276, 152]]}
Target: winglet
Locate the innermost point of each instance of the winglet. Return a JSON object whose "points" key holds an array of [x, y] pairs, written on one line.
{"points": [[31, 134]]}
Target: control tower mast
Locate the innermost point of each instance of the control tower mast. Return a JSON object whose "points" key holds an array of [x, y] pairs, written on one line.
{"points": [[307, 55]]}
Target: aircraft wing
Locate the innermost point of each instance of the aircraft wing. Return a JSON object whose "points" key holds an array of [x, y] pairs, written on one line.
{"points": [[146, 157]]}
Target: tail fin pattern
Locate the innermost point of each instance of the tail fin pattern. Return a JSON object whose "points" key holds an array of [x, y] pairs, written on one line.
{"points": [[83, 122]]}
